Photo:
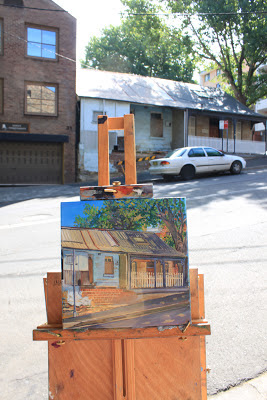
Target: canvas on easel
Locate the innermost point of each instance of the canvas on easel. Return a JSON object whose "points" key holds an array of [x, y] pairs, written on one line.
{"points": [[124, 263]]}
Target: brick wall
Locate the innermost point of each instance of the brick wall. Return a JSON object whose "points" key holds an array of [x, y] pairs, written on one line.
{"points": [[16, 68], [108, 295]]}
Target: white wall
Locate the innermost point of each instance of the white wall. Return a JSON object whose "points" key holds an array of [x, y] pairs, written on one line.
{"points": [[88, 147]]}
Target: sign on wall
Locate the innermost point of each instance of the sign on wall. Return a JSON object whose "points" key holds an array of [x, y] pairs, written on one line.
{"points": [[15, 128]]}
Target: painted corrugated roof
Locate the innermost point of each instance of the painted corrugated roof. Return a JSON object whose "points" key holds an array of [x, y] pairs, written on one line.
{"points": [[119, 241], [155, 91]]}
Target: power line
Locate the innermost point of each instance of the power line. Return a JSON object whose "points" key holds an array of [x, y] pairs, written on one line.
{"points": [[32, 8], [196, 14]]}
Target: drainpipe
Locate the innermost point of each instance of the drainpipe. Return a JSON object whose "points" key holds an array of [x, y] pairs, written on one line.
{"points": [[266, 137], [186, 128], [234, 123]]}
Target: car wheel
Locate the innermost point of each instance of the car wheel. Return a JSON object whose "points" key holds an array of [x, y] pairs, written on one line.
{"points": [[188, 172], [168, 178], [236, 168]]}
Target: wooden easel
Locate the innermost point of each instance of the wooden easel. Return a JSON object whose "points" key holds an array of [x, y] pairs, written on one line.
{"points": [[124, 364]]}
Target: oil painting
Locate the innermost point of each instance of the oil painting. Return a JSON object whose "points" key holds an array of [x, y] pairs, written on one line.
{"points": [[124, 263]]}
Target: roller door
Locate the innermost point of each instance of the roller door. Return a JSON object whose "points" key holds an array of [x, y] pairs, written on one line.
{"points": [[31, 163]]}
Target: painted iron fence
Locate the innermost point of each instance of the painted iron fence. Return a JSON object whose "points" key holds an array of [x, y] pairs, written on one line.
{"points": [[147, 280]]}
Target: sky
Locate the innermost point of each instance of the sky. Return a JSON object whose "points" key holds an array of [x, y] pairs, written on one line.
{"points": [[92, 16]]}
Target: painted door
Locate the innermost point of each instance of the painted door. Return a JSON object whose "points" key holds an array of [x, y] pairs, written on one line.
{"points": [[83, 269]]}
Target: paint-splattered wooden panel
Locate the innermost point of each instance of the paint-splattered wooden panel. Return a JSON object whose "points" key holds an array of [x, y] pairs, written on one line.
{"points": [[167, 369], [80, 370], [116, 192]]}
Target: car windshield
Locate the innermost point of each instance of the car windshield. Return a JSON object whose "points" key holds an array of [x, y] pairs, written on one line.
{"points": [[176, 153]]}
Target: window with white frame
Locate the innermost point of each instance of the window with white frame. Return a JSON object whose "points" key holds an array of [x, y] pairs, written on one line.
{"points": [[41, 99], [41, 42]]}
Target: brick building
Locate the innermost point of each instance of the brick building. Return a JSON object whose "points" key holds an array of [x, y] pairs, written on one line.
{"points": [[37, 92]]}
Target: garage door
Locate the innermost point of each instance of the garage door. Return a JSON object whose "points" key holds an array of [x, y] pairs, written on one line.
{"points": [[30, 162]]}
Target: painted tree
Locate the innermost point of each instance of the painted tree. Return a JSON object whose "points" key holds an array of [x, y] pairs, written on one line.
{"points": [[139, 214], [143, 44], [232, 36]]}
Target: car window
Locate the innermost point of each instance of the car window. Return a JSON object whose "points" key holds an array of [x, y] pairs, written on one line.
{"points": [[212, 152], [176, 153], [198, 152]]}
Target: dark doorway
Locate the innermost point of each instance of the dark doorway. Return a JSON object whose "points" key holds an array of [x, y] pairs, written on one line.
{"points": [[214, 128]]}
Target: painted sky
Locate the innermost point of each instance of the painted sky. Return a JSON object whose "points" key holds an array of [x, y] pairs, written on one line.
{"points": [[69, 211]]}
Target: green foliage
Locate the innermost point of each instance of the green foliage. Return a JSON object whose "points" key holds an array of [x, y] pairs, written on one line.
{"points": [[235, 41], [143, 45], [139, 214]]}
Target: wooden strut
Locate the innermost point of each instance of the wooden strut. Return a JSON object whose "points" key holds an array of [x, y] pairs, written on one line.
{"points": [[124, 364], [106, 124]]}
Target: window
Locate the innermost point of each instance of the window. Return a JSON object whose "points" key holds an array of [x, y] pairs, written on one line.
{"points": [[192, 126], [1, 96], [218, 86], [41, 43], [218, 72], [96, 114], [109, 266], [1, 37], [41, 99], [207, 77], [212, 152], [198, 152], [156, 125], [139, 240]]}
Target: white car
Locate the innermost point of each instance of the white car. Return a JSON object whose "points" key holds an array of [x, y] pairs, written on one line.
{"points": [[188, 161]]}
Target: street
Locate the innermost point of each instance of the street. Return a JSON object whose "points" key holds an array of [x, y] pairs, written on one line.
{"points": [[227, 235]]}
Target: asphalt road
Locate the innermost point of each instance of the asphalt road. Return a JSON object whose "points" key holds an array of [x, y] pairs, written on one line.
{"points": [[227, 232]]}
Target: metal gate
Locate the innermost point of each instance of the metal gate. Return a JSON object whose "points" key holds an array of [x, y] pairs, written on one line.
{"points": [[30, 162]]}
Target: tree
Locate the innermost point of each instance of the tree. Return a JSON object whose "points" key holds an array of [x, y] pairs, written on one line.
{"points": [[142, 45], [232, 35], [138, 214]]}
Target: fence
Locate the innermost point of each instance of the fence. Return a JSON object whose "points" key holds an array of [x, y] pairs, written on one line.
{"points": [[241, 146], [147, 280]]}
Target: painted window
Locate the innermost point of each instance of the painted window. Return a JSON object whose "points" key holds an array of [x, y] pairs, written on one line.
{"points": [[41, 99], [139, 240], [1, 37], [41, 43], [1, 96], [109, 265], [207, 77], [156, 125]]}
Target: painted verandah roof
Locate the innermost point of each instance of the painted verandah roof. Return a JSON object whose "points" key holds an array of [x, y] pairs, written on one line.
{"points": [[119, 241], [158, 92]]}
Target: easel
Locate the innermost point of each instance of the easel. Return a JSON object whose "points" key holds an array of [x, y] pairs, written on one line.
{"points": [[124, 364]]}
